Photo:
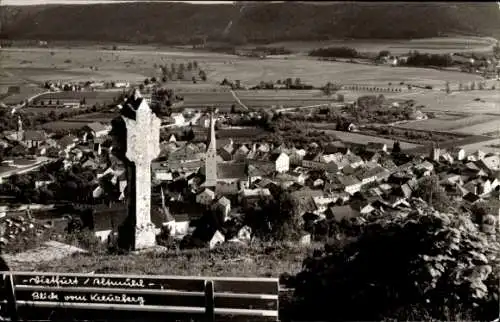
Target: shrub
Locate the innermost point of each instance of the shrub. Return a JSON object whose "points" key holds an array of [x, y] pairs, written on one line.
{"points": [[425, 266]]}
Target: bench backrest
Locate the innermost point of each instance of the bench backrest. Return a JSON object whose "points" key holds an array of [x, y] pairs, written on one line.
{"points": [[209, 298]]}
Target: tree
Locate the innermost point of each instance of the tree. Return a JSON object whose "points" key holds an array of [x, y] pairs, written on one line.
{"points": [[203, 75], [147, 81], [424, 266], [194, 80], [327, 89], [298, 82], [447, 87], [431, 192], [233, 108], [473, 86], [190, 66], [195, 64], [384, 53], [396, 147]]}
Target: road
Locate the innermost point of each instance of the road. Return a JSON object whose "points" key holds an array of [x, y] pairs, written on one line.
{"points": [[238, 100], [310, 106], [20, 170]]}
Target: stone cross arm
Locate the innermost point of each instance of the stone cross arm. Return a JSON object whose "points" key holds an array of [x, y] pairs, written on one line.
{"points": [[143, 138]]}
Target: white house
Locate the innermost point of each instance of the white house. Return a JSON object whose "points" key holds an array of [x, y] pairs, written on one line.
{"points": [[458, 153], [224, 205], [206, 197], [350, 183], [178, 118], [281, 162], [217, 239]]}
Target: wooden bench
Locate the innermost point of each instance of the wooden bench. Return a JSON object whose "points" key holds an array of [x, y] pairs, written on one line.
{"points": [[40, 295]]}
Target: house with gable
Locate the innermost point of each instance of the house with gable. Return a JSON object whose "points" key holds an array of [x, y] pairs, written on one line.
{"points": [[94, 130], [206, 197], [281, 162]]}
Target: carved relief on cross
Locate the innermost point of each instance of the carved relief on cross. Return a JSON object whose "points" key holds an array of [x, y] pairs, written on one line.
{"points": [[143, 137]]}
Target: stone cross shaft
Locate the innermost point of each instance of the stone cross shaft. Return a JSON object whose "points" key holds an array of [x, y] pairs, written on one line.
{"points": [[143, 146]]}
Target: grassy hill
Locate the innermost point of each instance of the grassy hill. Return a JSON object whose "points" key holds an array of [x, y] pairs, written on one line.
{"points": [[175, 23]]}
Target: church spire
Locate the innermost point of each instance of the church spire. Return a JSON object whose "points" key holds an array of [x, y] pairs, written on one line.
{"points": [[211, 156], [19, 128], [211, 144]]}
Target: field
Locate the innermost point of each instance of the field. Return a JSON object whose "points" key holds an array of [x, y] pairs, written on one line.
{"points": [[487, 128], [432, 45], [39, 64], [318, 73], [79, 121], [440, 124], [254, 98], [363, 139], [90, 97]]}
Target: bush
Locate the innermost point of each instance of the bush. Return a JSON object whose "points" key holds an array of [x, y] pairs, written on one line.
{"points": [[425, 266]]}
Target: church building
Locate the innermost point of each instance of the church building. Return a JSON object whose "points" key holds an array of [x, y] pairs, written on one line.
{"points": [[225, 178]]}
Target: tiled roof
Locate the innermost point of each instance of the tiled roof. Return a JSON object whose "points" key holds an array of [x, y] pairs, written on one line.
{"points": [[34, 135], [231, 171], [96, 127], [343, 212]]}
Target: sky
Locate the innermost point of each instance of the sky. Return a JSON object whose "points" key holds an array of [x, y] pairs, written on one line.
{"points": [[38, 2]]}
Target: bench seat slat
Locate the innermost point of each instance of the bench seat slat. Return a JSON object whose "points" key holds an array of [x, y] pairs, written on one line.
{"points": [[107, 290], [183, 284], [142, 291], [120, 307], [258, 287], [137, 300]]}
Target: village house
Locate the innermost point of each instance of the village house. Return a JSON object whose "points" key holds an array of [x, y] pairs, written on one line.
{"points": [[33, 139], [67, 142], [94, 130], [350, 183], [281, 162], [224, 206], [205, 197], [296, 156], [458, 153], [240, 154]]}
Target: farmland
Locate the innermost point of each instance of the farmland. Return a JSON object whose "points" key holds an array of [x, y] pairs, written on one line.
{"points": [[261, 98], [436, 45], [90, 97], [75, 64], [363, 139], [440, 124]]}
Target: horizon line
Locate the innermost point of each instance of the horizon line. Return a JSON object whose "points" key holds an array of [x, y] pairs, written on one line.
{"points": [[15, 3]]}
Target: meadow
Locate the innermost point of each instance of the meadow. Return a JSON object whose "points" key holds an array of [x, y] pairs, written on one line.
{"points": [[79, 64], [438, 45], [363, 139], [90, 97], [446, 124]]}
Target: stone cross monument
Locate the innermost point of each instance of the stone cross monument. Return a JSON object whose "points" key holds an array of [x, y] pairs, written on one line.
{"points": [[143, 146]]}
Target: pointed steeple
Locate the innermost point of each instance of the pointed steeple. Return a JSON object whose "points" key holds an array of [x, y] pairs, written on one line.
{"points": [[211, 156], [211, 143], [20, 130]]}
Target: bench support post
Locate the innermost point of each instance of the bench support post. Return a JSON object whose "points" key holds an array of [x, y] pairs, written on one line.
{"points": [[11, 297], [209, 301]]}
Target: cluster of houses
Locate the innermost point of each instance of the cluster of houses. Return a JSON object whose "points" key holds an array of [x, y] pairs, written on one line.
{"points": [[336, 182], [79, 86]]}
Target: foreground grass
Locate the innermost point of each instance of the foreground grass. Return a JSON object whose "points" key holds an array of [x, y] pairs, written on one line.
{"points": [[263, 260]]}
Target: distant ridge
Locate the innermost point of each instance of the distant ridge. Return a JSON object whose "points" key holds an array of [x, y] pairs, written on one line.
{"points": [[180, 23]]}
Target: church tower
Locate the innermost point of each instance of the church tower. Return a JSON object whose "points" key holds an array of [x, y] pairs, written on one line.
{"points": [[211, 156], [435, 152], [20, 131]]}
